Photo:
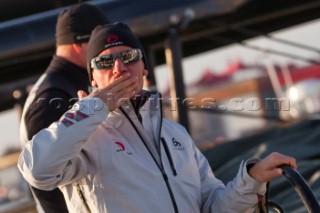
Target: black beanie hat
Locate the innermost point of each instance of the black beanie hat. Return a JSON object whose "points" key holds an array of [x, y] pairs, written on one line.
{"points": [[75, 24], [111, 35]]}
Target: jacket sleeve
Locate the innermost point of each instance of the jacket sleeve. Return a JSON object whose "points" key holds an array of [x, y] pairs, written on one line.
{"points": [[54, 156], [238, 196]]}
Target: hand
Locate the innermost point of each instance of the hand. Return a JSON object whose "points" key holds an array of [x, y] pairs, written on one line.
{"points": [[268, 168], [121, 89], [81, 94]]}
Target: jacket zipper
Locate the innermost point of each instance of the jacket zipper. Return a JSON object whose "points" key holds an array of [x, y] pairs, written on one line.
{"points": [[166, 149], [174, 203], [160, 166], [164, 143]]}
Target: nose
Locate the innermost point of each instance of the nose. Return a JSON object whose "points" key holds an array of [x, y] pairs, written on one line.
{"points": [[119, 66]]}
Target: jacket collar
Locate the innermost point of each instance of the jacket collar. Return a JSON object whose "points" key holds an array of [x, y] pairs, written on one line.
{"points": [[115, 118]]}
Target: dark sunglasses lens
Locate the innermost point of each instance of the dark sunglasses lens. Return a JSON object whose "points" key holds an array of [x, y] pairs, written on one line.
{"points": [[105, 62], [130, 56]]}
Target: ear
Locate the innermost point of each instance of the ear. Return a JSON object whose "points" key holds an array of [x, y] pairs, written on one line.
{"points": [[145, 72], [94, 83]]}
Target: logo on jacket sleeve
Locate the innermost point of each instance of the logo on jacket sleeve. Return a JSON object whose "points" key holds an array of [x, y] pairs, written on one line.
{"points": [[70, 117], [177, 145]]}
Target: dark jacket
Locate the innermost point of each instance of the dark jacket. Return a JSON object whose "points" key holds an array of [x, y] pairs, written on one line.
{"points": [[53, 94]]}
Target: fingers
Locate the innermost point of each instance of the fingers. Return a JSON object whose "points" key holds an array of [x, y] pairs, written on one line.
{"points": [[81, 94], [118, 91], [269, 167], [280, 160], [123, 87]]}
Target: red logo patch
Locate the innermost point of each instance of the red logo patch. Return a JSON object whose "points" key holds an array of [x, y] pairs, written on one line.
{"points": [[112, 39], [121, 147]]}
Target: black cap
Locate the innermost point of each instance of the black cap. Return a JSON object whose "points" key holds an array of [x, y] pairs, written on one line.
{"points": [[111, 35], [75, 24]]}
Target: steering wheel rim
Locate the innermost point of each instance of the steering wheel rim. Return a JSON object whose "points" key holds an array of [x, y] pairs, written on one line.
{"points": [[301, 187]]}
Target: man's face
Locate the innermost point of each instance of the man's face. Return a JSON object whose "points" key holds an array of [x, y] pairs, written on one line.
{"points": [[103, 77]]}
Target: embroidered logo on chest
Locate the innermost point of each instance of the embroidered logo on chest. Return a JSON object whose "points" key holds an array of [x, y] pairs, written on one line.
{"points": [[121, 147], [177, 145]]}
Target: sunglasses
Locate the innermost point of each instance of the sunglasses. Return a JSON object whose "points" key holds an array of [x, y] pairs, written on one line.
{"points": [[107, 61]]}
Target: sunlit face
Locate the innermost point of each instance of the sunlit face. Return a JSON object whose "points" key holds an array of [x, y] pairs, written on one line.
{"points": [[103, 77]]}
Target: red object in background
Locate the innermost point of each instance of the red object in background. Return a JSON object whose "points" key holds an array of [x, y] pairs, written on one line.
{"points": [[299, 74]]}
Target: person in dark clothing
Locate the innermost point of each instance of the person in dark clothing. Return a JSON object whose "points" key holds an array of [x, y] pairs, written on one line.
{"points": [[56, 90]]}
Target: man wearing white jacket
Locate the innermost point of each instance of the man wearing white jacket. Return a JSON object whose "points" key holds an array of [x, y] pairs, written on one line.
{"points": [[114, 153]]}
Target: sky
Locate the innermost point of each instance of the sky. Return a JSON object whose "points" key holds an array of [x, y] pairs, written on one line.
{"points": [[193, 67]]}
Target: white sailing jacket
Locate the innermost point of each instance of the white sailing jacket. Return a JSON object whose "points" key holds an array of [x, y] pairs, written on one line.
{"points": [[108, 162]]}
